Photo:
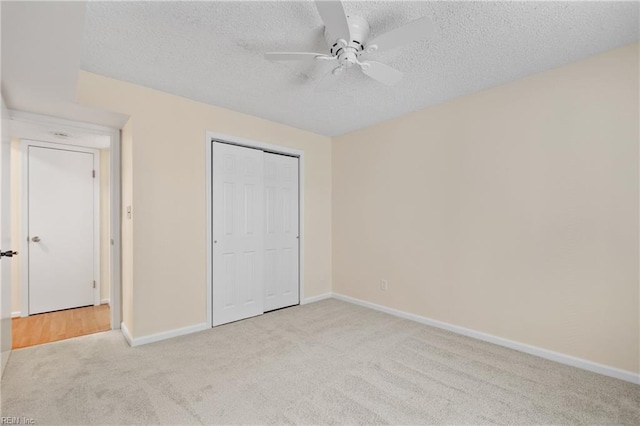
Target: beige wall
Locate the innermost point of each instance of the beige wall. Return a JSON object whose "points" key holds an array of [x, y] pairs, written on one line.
{"points": [[513, 211], [126, 178], [167, 154]]}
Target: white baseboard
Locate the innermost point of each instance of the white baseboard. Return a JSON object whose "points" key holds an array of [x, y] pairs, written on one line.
{"points": [[126, 334], [522, 347], [104, 301], [15, 314], [317, 298], [143, 340]]}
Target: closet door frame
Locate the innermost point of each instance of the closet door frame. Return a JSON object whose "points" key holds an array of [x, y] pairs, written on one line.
{"points": [[212, 137]]}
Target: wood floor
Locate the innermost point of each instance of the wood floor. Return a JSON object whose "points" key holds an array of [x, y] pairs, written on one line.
{"points": [[53, 326]]}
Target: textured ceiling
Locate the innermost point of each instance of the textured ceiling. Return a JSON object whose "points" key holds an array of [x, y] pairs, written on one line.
{"points": [[41, 45], [213, 52]]}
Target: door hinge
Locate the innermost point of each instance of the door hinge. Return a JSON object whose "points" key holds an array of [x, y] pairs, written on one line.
{"points": [[93, 173], [94, 284]]}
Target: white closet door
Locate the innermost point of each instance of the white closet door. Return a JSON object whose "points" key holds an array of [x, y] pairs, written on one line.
{"points": [[238, 233], [281, 231]]}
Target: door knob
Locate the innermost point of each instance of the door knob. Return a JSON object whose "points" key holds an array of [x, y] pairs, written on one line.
{"points": [[9, 253], [35, 239]]}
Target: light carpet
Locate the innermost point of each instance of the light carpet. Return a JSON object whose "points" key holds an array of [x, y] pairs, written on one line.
{"points": [[328, 362]]}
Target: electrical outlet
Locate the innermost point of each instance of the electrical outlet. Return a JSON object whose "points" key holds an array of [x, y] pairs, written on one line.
{"points": [[384, 285]]}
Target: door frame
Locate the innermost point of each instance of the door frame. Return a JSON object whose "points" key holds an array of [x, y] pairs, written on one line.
{"points": [[114, 136], [25, 144], [6, 282], [268, 147]]}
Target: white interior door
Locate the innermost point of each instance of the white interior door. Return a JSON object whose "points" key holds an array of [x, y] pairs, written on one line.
{"points": [[61, 229], [281, 231], [238, 233]]}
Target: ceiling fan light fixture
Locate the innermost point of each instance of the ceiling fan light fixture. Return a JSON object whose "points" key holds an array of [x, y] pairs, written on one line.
{"points": [[347, 38]]}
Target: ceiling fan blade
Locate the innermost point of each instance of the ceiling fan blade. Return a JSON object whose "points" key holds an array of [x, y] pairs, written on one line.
{"points": [[295, 56], [419, 29], [334, 18], [381, 72]]}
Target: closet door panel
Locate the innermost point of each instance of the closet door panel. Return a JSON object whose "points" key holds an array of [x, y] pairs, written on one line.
{"points": [[281, 231], [238, 232]]}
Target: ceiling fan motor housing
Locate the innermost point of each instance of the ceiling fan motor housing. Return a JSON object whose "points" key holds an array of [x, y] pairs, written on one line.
{"points": [[359, 31]]}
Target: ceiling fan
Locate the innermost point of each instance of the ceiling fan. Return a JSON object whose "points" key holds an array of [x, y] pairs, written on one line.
{"points": [[348, 38]]}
